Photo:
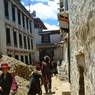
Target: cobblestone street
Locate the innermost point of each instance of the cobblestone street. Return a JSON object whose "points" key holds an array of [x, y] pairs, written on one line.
{"points": [[59, 87]]}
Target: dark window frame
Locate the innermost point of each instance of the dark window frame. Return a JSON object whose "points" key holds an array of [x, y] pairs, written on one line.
{"points": [[28, 42], [6, 9], [15, 39], [20, 41], [23, 20], [19, 17], [45, 38], [30, 23], [25, 45], [8, 37], [13, 13], [32, 44]]}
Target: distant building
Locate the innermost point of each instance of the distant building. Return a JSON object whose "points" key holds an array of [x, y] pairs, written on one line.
{"points": [[38, 27], [48, 43], [16, 27]]}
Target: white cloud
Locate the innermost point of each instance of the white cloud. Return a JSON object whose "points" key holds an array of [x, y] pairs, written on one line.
{"points": [[22, 3], [51, 27], [45, 11], [40, 0]]}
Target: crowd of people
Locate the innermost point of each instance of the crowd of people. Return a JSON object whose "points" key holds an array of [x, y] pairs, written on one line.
{"points": [[42, 75]]}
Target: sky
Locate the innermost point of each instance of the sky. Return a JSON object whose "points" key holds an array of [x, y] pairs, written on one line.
{"points": [[46, 10]]}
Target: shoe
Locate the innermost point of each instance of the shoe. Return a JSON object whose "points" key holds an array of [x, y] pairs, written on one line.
{"points": [[49, 90]]}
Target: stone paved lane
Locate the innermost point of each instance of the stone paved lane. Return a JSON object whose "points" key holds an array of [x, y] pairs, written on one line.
{"points": [[59, 87]]}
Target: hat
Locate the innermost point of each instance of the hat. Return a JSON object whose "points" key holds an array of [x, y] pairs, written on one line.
{"points": [[4, 66], [45, 57]]}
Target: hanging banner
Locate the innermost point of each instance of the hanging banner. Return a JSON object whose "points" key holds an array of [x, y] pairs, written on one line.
{"points": [[63, 20]]}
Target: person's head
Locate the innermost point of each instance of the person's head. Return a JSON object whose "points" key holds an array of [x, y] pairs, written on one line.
{"points": [[4, 67], [47, 59]]}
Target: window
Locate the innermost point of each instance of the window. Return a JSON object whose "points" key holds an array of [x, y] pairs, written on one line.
{"points": [[13, 12], [26, 59], [28, 43], [27, 22], [23, 20], [25, 46], [19, 19], [17, 57], [15, 38], [45, 39], [6, 9], [30, 59], [9, 55], [31, 44], [20, 40], [22, 59], [8, 39], [66, 4], [30, 27], [61, 4]]}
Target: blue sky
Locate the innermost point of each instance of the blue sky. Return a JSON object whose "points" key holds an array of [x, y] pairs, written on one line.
{"points": [[46, 10]]}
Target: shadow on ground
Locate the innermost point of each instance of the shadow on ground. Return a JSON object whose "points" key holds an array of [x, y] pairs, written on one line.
{"points": [[51, 93]]}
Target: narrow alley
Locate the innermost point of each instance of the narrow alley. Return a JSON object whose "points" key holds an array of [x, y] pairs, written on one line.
{"points": [[59, 87]]}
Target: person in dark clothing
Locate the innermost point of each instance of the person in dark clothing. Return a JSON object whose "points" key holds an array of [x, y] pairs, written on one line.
{"points": [[47, 73], [35, 84], [5, 80]]}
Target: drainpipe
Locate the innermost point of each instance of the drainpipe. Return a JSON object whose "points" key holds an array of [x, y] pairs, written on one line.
{"points": [[69, 62]]}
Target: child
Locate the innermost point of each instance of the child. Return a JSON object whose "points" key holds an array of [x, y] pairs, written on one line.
{"points": [[35, 84]]}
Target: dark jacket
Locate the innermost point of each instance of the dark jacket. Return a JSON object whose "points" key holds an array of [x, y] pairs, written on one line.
{"points": [[35, 86], [5, 83]]}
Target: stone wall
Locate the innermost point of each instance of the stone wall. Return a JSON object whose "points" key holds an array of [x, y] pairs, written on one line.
{"points": [[82, 38]]}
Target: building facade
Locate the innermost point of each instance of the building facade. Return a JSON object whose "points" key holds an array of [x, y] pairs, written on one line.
{"points": [[81, 44], [63, 18], [47, 44], [38, 27], [82, 37], [16, 27]]}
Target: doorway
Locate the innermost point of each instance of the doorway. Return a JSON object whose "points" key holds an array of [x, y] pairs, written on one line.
{"points": [[80, 63], [81, 81]]}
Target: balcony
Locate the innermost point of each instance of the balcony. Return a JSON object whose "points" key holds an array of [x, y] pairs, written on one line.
{"points": [[46, 45]]}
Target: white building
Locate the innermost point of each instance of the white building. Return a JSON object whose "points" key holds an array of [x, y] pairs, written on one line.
{"points": [[16, 27], [38, 27]]}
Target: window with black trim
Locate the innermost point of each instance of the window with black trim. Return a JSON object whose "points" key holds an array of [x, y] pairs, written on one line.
{"points": [[23, 20], [26, 59], [27, 22], [32, 44], [30, 27], [17, 57], [25, 46], [6, 9], [22, 58], [45, 39], [15, 38], [20, 40], [19, 19], [8, 37], [13, 12], [28, 43]]}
